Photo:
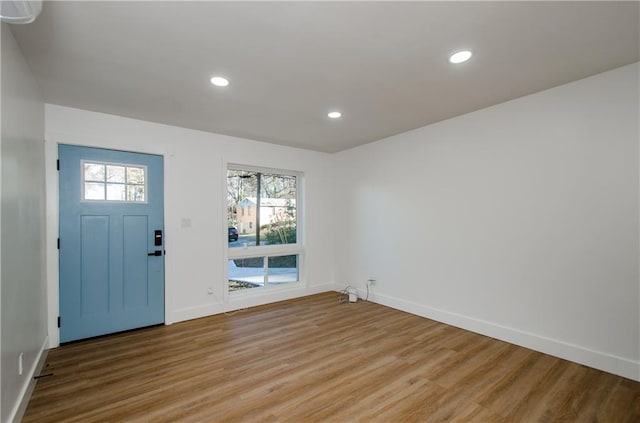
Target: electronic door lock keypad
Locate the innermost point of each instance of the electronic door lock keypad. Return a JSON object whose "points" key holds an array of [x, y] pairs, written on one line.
{"points": [[157, 237]]}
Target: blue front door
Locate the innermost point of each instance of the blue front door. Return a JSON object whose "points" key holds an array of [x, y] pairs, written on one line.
{"points": [[111, 241]]}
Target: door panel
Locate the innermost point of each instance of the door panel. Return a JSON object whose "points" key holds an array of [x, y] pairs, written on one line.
{"points": [[136, 234], [94, 264], [108, 280]]}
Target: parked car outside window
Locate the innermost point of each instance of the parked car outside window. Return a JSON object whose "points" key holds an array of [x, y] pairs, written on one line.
{"points": [[233, 234]]}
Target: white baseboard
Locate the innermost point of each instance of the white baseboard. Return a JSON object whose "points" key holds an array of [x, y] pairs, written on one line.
{"points": [[597, 359], [30, 383], [243, 301]]}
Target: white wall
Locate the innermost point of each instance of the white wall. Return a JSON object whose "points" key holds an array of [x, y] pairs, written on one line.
{"points": [[527, 221], [23, 290], [195, 178]]}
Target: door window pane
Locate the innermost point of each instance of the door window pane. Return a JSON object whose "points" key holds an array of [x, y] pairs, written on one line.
{"points": [[115, 192], [135, 193], [135, 175], [115, 174], [93, 191], [93, 172]]}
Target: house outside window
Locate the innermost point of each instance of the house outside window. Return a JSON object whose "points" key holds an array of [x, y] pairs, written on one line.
{"points": [[268, 251]]}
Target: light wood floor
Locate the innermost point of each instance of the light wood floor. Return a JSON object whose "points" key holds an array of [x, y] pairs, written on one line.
{"points": [[313, 359]]}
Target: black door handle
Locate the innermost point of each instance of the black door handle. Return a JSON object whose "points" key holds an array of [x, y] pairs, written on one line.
{"points": [[155, 253]]}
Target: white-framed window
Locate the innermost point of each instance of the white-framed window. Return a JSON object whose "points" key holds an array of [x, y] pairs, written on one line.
{"points": [[267, 252], [113, 182]]}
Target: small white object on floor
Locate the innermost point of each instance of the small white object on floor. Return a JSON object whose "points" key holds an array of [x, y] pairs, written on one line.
{"points": [[353, 295]]}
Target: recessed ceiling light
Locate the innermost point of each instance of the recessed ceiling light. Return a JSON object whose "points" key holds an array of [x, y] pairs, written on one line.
{"points": [[219, 81], [334, 115], [460, 56]]}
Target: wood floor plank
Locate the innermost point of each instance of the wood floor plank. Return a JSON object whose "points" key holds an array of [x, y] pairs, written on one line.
{"points": [[315, 359]]}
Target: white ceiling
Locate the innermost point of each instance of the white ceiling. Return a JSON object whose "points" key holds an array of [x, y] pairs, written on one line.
{"points": [[383, 64]]}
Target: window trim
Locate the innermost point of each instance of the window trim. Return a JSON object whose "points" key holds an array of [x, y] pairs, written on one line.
{"points": [[266, 251]]}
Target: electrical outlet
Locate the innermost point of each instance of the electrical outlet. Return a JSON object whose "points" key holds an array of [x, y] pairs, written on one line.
{"points": [[20, 364], [210, 290]]}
